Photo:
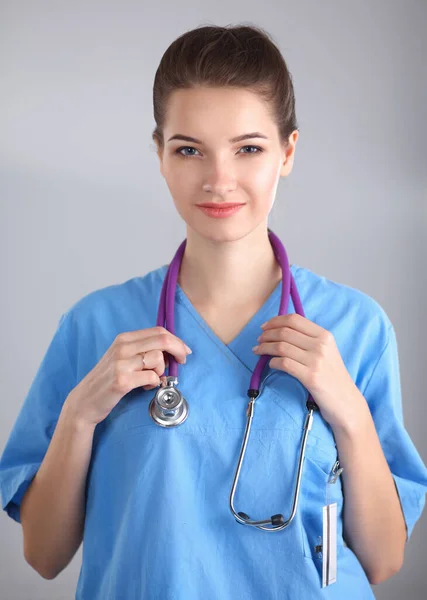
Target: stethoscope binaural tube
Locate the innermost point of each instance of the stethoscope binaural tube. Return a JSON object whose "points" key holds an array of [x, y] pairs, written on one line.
{"points": [[277, 521], [174, 410]]}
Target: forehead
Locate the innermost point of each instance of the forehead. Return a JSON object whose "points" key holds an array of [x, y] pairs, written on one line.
{"points": [[212, 111]]}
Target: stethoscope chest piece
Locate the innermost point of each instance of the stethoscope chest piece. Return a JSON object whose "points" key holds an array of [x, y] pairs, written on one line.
{"points": [[168, 408]]}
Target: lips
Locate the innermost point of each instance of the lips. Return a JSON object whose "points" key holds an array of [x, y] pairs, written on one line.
{"points": [[220, 204], [219, 211]]}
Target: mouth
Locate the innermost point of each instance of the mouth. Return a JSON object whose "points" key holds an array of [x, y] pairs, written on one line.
{"points": [[218, 211], [219, 204]]}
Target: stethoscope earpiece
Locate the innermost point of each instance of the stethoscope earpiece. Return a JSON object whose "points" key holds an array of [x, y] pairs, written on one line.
{"points": [[276, 520]]}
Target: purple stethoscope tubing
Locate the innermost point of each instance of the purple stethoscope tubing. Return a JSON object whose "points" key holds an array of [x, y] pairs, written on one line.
{"points": [[166, 310], [173, 398]]}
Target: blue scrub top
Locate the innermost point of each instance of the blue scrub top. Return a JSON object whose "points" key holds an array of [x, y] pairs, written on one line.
{"points": [[158, 523]]}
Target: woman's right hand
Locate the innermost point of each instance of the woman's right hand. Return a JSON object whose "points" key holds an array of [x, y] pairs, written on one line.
{"points": [[121, 370]]}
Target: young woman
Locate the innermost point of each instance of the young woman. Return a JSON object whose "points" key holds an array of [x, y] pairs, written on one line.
{"points": [[154, 505]]}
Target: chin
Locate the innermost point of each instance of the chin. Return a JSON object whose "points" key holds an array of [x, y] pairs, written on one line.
{"points": [[220, 231]]}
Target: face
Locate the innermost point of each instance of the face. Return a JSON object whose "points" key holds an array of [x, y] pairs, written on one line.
{"points": [[218, 170]]}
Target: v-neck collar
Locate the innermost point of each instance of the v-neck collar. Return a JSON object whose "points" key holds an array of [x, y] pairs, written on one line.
{"points": [[240, 347]]}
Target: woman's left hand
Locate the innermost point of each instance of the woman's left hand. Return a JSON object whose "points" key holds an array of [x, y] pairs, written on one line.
{"points": [[309, 353]]}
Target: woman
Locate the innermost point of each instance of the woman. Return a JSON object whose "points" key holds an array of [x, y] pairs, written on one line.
{"points": [[152, 503]]}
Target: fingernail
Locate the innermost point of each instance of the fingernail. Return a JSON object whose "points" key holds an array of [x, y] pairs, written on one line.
{"points": [[189, 350], [255, 348], [263, 325]]}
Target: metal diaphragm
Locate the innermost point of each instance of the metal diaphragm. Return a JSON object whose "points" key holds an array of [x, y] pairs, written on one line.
{"points": [[168, 408]]}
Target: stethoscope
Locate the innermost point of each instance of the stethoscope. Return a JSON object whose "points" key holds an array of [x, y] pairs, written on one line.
{"points": [[169, 408]]}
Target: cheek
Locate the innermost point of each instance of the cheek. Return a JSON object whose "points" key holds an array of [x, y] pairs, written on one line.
{"points": [[180, 179], [266, 176], [182, 184], [264, 181]]}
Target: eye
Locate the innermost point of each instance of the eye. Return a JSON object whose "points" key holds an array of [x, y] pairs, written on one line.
{"points": [[178, 151], [257, 148]]}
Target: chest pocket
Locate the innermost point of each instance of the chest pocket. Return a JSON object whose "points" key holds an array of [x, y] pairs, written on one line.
{"points": [[318, 485]]}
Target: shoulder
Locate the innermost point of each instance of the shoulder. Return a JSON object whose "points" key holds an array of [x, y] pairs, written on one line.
{"points": [[338, 306], [118, 302]]}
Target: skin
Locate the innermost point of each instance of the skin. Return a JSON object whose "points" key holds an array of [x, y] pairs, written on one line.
{"points": [[224, 257], [237, 249]]}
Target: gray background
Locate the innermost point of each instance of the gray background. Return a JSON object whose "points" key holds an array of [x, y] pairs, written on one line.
{"points": [[83, 204]]}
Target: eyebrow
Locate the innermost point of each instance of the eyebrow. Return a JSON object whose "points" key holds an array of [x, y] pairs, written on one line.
{"points": [[239, 138]]}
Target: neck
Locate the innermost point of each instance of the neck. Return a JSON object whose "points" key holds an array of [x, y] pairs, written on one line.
{"points": [[223, 273]]}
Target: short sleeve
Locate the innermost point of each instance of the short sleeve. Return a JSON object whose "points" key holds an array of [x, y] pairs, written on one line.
{"points": [[384, 397], [33, 429]]}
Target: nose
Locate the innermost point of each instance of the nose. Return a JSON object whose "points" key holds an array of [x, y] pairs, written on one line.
{"points": [[220, 179]]}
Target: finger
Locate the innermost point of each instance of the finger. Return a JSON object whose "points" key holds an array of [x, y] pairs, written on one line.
{"points": [[155, 360], [294, 321], [132, 336], [151, 361], [140, 334], [163, 341], [286, 334], [162, 344], [283, 349], [163, 382], [145, 379]]}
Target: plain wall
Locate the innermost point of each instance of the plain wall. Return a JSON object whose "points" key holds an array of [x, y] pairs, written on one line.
{"points": [[83, 203]]}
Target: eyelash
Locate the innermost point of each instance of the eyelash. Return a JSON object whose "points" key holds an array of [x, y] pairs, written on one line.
{"points": [[178, 151]]}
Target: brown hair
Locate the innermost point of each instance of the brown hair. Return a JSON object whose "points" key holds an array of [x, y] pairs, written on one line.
{"points": [[242, 56]]}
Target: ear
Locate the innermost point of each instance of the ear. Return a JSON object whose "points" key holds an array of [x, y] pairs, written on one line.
{"points": [[159, 154], [289, 154]]}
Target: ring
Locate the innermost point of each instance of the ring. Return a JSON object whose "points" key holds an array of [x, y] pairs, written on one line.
{"points": [[143, 360]]}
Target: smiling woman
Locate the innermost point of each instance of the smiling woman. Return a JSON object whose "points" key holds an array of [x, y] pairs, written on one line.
{"points": [[217, 172], [86, 459]]}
